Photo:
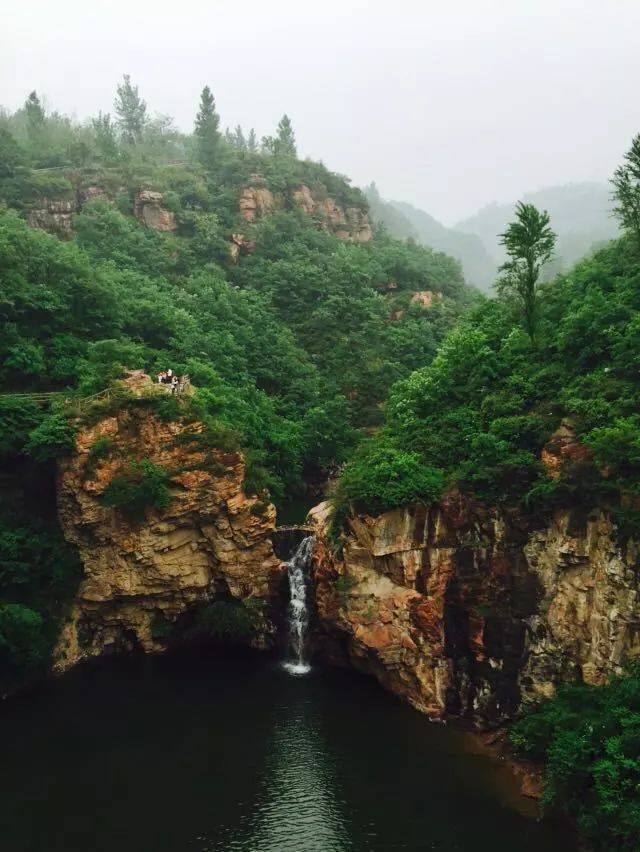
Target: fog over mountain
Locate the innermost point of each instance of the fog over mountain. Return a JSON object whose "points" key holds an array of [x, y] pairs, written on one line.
{"points": [[446, 106], [580, 214]]}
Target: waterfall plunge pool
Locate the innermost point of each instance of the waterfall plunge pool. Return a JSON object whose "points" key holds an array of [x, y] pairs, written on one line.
{"points": [[228, 753]]}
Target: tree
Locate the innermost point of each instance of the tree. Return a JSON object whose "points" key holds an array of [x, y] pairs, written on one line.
{"points": [[105, 132], [11, 155], [34, 113], [286, 139], [529, 244], [252, 142], [283, 144], [626, 184], [239, 142], [207, 129], [131, 111]]}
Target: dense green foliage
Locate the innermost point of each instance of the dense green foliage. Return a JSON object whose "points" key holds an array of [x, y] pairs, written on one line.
{"points": [[626, 184], [274, 356], [590, 739], [404, 221], [38, 571], [142, 485], [292, 346], [229, 620], [481, 412]]}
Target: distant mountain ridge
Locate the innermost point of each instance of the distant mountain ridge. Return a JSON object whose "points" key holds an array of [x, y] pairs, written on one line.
{"points": [[580, 215], [405, 221]]}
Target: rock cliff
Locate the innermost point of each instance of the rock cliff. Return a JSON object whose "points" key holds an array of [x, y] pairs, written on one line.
{"points": [[345, 222], [149, 210], [212, 542], [467, 612], [54, 215]]}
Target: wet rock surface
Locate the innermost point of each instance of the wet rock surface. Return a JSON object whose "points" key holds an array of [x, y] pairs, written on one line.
{"points": [[466, 612]]}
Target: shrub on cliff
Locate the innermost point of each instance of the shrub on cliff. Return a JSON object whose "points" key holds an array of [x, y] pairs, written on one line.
{"points": [[51, 438], [589, 738], [228, 620], [382, 476], [143, 486], [39, 571]]}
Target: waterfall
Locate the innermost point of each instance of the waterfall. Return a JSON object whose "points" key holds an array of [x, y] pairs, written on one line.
{"points": [[297, 570]]}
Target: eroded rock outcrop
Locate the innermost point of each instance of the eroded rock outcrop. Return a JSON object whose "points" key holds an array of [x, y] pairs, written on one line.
{"points": [[464, 611], [149, 210], [211, 542], [348, 223], [54, 215], [256, 202]]}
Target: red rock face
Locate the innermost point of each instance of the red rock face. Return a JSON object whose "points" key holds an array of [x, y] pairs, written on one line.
{"points": [[466, 612]]}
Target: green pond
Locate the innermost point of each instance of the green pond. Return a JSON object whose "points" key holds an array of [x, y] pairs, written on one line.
{"points": [[216, 752]]}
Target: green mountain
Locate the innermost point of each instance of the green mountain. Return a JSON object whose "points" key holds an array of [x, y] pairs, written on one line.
{"points": [[130, 245], [580, 215], [404, 221]]}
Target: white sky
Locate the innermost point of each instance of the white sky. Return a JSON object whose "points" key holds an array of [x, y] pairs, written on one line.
{"points": [[449, 105]]}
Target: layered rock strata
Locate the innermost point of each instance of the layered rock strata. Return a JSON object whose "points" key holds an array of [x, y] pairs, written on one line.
{"points": [[348, 223], [211, 542], [466, 612], [54, 215]]}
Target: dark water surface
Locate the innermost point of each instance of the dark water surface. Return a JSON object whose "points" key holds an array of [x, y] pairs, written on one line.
{"points": [[207, 754]]}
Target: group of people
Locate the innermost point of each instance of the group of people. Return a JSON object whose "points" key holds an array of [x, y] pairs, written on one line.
{"points": [[168, 377]]}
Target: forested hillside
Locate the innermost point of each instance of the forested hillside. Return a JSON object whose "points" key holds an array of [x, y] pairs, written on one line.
{"points": [[214, 255], [479, 416], [581, 213], [405, 221], [531, 406]]}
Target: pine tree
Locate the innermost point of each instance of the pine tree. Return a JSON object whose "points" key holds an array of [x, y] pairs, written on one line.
{"points": [[106, 140], [252, 142], [206, 130], [626, 189], [131, 111], [285, 138], [239, 142], [529, 243], [34, 113]]}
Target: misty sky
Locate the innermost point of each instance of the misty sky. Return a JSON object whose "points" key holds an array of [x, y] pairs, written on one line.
{"points": [[448, 105]]}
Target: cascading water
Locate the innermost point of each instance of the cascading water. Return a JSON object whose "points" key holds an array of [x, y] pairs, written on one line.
{"points": [[297, 569]]}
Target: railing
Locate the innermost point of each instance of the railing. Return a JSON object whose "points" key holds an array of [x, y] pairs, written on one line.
{"points": [[103, 168], [80, 403], [36, 396], [45, 397]]}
